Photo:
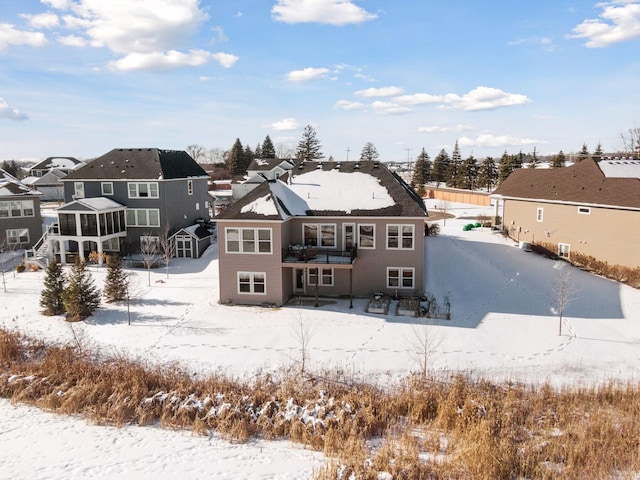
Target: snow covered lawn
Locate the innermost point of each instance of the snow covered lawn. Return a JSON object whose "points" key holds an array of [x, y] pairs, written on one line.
{"points": [[503, 326]]}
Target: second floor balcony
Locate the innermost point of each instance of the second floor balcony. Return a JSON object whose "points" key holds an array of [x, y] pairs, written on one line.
{"points": [[315, 255]]}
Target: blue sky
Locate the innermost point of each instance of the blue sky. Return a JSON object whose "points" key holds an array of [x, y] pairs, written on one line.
{"points": [[80, 77]]}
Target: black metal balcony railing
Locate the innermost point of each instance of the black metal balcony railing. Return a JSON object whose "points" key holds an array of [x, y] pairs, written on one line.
{"points": [[305, 254]]}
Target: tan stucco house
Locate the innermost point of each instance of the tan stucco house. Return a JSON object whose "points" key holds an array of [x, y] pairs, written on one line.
{"points": [[324, 228], [591, 207]]}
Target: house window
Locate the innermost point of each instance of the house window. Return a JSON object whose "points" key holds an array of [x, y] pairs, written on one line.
{"points": [[399, 277], [400, 237], [67, 224], [319, 235], [143, 190], [18, 235], [252, 283], [539, 214], [248, 240], [107, 188], [17, 208], [89, 224], [190, 187], [78, 189], [111, 245], [143, 217], [584, 210], [348, 236], [366, 236], [564, 249], [325, 279], [150, 241]]}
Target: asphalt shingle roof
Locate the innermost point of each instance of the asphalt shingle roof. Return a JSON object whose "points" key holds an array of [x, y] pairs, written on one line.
{"points": [[584, 183], [139, 164]]}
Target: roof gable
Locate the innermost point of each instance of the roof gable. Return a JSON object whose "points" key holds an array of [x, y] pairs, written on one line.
{"points": [[139, 164], [10, 186]]}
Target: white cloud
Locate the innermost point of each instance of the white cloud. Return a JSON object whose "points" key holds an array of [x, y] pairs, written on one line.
{"points": [[347, 105], [489, 140], [439, 129], [379, 92], [9, 112], [389, 108], [483, 98], [157, 61], [283, 125], [43, 20], [418, 99], [619, 21], [307, 74], [332, 12], [146, 34], [9, 35], [364, 77]]}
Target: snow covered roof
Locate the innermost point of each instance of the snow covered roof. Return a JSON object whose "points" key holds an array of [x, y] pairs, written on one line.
{"points": [[10, 186], [95, 204], [330, 188], [620, 168]]}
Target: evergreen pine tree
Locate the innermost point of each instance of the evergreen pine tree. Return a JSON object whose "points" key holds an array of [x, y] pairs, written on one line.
{"points": [[247, 157], [598, 152], [558, 161], [421, 172], [506, 166], [534, 159], [469, 173], [268, 150], [453, 177], [439, 169], [81, 298], [584, 152], [235, 163], [116, 283], [309, 148], [369, 153], [51, 295], [487, 174]]}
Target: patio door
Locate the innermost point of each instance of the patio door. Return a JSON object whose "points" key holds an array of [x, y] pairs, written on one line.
{"points": [[183, 246], [298, 281]]}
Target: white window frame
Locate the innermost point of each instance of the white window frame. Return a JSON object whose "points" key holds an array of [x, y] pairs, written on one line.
{"points": [[189, 187], [539, 214], [354, 239], [136, 213], [584, 210], [152, 239], [359, 234], [564, 250], [326, 278], [241, 240], [319, 237], [14, 236], [134, 189], [78, 189], [111, 245], [25, 208], [252, 282], [400, 237], [400, 278], [109, 188]]}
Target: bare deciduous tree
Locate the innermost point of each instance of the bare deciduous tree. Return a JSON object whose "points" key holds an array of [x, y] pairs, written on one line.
{"points": [[564, 292], [302, 334], [149, 250], [424, 343], [166, 247], [631, 140]]}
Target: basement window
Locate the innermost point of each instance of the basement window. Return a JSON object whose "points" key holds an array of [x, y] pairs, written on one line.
{"points": [[584, 210]]}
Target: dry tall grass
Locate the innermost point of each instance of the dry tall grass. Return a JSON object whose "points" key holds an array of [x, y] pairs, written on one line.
{"points": [[425, 427]]}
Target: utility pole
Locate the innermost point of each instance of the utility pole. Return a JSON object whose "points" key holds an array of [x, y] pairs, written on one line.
{"points": [[408, 157], [348, 150]]}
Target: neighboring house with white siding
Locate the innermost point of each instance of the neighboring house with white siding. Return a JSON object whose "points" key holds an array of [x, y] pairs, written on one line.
{"points": [[323, 228]]}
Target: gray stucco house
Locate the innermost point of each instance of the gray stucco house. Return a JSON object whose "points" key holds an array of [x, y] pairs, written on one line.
{"points": [[126, 197], [20, 219]]}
